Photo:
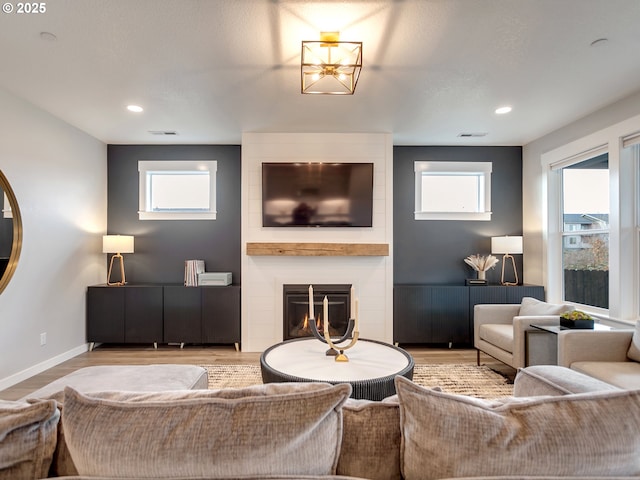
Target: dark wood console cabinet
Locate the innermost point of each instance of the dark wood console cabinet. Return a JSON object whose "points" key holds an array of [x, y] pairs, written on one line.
{"points": [[163, 314], [443, 314], [202, 314]]}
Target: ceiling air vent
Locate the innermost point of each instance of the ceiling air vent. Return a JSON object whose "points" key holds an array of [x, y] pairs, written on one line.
{"points": [[163, 132], [472, 134]]}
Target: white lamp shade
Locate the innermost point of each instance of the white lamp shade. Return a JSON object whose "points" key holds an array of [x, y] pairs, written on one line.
{"points": [[506, 244], [117, 244]]}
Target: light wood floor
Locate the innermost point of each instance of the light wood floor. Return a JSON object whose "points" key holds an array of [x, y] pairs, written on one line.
{"points": [[198, 355]]}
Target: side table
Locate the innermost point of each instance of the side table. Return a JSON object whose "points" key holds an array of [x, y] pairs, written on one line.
{"points": [[541, 344]]}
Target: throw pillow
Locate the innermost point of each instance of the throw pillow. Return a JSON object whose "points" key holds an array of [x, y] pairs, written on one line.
{"points": [[634, 348], [27, 438], [532, 306], [274, 429], [371, 440], [581, 435]]}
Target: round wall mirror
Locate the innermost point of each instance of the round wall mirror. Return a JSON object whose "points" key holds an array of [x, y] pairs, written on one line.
{"points": [[10, 232]]}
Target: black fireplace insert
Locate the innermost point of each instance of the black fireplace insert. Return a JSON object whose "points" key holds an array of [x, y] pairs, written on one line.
{"points": [[296, 309]]}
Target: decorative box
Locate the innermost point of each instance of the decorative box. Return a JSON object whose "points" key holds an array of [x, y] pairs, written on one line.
{"points": [[577, 324]]}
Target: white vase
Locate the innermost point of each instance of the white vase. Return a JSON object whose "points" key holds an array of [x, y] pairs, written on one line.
{"points": [[481, 274]]}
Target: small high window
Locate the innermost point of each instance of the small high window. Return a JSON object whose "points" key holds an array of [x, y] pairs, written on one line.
{"points": [[452, 190], [177, 190]]}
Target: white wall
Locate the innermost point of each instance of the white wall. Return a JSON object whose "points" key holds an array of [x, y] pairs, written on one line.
{"points": [[533, 193], [263, 277], [59, 176]]}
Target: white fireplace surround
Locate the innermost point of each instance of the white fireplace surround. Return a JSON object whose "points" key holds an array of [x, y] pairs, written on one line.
{"points": [[263, 277]]}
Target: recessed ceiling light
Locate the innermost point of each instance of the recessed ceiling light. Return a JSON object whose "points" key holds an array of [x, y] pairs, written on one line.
{"points": [[135, 108], [503, 110], [163, 132], [599, 42], [472, 134], [48, 36]]}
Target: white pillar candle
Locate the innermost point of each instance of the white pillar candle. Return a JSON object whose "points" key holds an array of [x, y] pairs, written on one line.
{"points": [[311, 315], [325, 314], [352, 310], [357, 315]]}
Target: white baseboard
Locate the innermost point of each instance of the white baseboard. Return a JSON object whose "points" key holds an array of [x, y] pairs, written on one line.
{"points": [[41, 367]]}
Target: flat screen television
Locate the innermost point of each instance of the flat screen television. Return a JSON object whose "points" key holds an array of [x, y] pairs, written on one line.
{"points": [[317, 194]]}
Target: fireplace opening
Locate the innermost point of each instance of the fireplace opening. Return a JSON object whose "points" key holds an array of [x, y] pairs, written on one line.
{"points": [[296, 309]]}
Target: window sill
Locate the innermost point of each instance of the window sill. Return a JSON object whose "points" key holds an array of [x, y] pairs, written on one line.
{"points": [[480, 216], [177, 215]]}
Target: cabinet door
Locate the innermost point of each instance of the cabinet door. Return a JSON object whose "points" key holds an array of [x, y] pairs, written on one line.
{"points": [[182, 313], [143, 314], [450, 315], [105, 314], [411, 309], [221, 314]]}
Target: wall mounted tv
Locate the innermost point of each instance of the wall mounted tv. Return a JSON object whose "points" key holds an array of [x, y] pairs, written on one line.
{"points": [[317, 194]]}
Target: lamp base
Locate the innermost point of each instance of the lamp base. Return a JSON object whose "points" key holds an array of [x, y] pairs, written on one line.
{"points": [[515, 271], [122, 277]]}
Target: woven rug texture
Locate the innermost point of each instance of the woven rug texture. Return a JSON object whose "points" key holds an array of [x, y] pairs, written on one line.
{"points": [[475, 381]]}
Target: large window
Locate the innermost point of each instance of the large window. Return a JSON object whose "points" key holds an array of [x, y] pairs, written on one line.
{"points": [[585, 231], [452, 190], [631, 154], [592, 239], [183, 190]]}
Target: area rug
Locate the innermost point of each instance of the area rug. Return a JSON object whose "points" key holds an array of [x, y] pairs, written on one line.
{"points": [[480, 382]]}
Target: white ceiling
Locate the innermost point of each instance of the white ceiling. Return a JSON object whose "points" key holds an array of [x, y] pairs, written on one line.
{"points": [[212, 69]]}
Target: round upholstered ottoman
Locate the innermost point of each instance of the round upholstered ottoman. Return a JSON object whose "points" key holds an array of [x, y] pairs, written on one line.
{"points": [[138, 378]]}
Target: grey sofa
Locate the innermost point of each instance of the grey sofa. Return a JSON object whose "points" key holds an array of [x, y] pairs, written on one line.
{"points": [[314, 431]]}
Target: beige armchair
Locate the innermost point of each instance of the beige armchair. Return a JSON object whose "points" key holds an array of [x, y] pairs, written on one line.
{"points": [[499, 329]]}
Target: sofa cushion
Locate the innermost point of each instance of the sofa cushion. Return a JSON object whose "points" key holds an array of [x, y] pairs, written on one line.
{"points": [[540, 380], [498, 334], [532, 307], [634, 348], [27, 438], [587, 434], [371, 439], [275, 429], [621, 374]]}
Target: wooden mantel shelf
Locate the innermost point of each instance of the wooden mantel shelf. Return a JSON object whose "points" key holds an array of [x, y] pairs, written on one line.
{"points": [[319, 249]]}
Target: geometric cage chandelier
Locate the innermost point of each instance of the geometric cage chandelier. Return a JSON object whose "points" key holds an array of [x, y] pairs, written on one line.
{"points": [[329, 66]]}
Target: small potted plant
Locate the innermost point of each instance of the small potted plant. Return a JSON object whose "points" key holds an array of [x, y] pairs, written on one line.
{"points": [[576, 319]]}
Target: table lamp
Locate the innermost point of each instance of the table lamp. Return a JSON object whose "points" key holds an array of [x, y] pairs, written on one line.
{"points": [[117, 244], [507, 245]]}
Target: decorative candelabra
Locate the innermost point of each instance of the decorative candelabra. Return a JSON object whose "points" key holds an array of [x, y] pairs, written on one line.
{"points": [[352, 331]]}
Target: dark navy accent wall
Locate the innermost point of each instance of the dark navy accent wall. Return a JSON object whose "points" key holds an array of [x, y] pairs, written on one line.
{"points": [[162, 246], [433, 251]]}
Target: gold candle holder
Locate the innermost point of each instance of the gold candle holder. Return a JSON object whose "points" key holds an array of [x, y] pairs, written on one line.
{"points": [[341, 357], [351, 332]]}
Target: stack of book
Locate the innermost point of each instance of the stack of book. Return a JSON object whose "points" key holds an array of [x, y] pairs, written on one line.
{"points": [[192, 268]]}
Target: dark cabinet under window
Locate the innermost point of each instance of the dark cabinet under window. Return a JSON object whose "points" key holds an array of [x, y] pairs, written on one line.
{"points": [[443, 314], [163, 314]]}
